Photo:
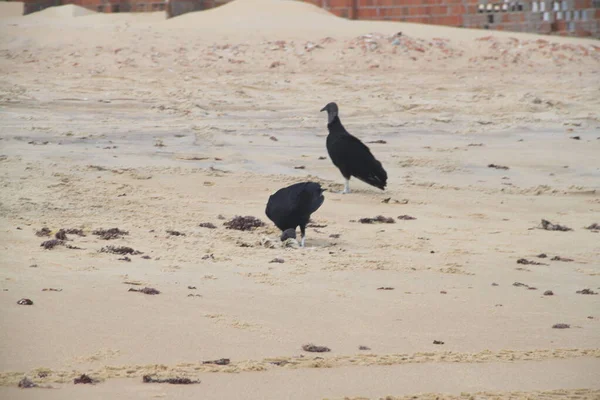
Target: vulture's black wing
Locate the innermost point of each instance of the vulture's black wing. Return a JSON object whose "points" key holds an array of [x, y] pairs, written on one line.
{"points": [[293, 205], [353, 157]]}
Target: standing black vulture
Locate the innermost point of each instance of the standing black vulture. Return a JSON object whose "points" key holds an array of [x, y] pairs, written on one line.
{"points": [[292, 206], [350, 155]]}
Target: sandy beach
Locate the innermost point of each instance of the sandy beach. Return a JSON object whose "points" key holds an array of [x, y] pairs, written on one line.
{"points": [[157, 127]]}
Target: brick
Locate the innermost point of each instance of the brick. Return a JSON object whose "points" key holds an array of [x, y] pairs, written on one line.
{"points": [[439, 10], [516, 17], [450, 20], [412, 3], [545, 27], [386, 12], [418, 20], [582, 4], [417, 10], [340, 12], [559, 26], [366, 13], [582, 33], [338, 3], [458, 9], [476, 19], [366, 3]]}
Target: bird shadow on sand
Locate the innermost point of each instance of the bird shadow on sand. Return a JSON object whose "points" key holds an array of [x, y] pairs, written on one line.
{"points": [[315, 243], [335, 189]]}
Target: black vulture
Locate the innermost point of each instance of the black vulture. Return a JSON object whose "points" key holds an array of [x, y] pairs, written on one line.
{"points": [[350, 155], [292, 206]]}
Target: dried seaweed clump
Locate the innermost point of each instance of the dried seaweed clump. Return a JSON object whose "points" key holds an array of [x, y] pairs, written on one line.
{"points": [[246, 223], [220, 361], [172, 381], [563, 259], [561, 326], [61, 235], [593, 227], [175, 233], [497, 166], [208, 225], [519, 284], [108, 234], [74, 231], [43, 232], [315, 349], [84, 379], [406, 218], [586, 291], [525, 261], [145, 290], [549, 226], [26, 383], [52, 243], [121, 250], [377, 219]]}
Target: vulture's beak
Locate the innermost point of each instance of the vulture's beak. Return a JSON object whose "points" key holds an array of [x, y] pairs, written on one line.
{"points": [[324, 108]]}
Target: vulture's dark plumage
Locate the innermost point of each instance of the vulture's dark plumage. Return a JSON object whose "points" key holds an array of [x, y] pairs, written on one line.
{"points": [[350, 155], [292, 206]]}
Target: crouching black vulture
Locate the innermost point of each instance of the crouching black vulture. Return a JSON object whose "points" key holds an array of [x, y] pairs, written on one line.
{"points": [[292, 206], [350, 155]]}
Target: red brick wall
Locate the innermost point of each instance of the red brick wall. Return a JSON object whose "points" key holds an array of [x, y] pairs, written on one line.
{"points": [[573, 17], [563, 17]]}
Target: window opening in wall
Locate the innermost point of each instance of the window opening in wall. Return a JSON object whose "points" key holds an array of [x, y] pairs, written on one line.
{"points": [[491, 18], [116, 8], [100, 8]]}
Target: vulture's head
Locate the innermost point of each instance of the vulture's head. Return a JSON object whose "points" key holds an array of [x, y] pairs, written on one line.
{"points": [[288, 234], [332, 111]]}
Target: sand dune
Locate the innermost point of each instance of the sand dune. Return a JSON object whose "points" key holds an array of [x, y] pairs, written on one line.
{"points": [[61, 12]]}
